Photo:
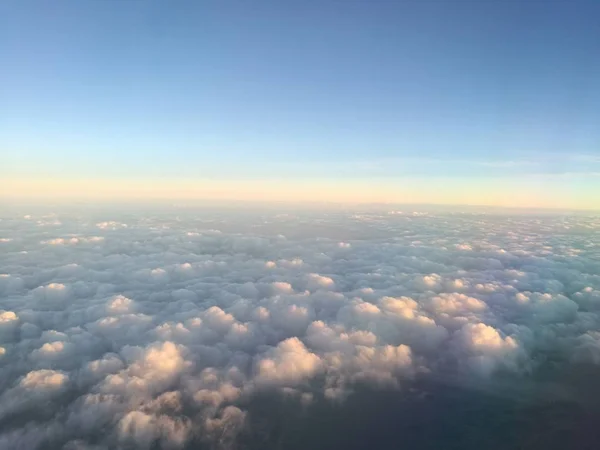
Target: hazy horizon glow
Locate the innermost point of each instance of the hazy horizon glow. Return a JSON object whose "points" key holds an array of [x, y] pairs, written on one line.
{"points": [[554, 192]]}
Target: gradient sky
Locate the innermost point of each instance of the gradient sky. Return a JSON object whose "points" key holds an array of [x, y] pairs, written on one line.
{"points": [[499, 98]]}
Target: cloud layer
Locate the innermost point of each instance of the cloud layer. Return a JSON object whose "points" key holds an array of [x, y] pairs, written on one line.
{"points": [[132, 330]]}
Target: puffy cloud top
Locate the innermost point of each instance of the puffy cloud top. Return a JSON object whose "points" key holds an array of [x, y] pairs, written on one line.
{"points": [[8, 317], [44, 380], [160, 330], [288, 364]]}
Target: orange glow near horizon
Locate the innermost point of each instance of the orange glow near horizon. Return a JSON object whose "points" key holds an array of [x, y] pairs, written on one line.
{"points": [[532, 192]]}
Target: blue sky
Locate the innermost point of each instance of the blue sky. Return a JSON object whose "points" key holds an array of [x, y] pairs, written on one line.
{"points": [[351, 89]]}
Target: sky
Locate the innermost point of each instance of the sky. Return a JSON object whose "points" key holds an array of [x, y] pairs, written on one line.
{"points": [[475, 102]]}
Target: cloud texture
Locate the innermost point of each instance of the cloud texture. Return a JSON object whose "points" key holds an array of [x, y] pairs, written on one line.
{"points": [[137, 330]]}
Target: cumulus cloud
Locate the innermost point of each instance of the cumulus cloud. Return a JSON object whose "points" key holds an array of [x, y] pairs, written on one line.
{"points": [[486, 347], [120, 304], [152, 331], [73, 240], [316, 281], [288, 364], [8, 322], [44, 380], [52, 296]]}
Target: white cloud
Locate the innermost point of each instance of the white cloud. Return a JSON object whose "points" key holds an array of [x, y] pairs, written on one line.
{"points": [[74, 240], [44, 380], [288, 364], [154, 336], [316, 281], [120, 304], [487, 349], [111, 225], [8, 318]]}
